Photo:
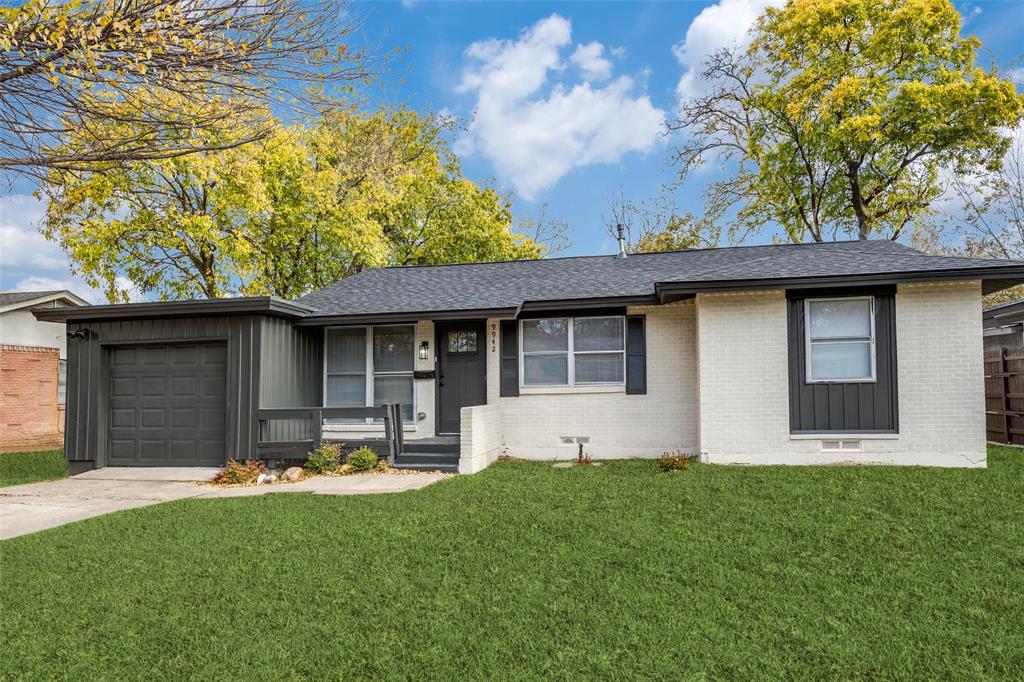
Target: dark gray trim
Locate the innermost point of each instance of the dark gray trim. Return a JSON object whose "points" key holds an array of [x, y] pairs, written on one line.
{"points": [[508, 360], [573, 312], [851, 434], [636, 355], [993, 275], [585, 303], [843, 408], [829, 292], [266, 305]]}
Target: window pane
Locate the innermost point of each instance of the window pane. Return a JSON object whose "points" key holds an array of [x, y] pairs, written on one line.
{"points": [[840, 318], [545, 335], [394, 390], [346, 350], [600, 368], [604, 333], [393, 349], [545, 369], [841, 361], [462, 342], [346, 390], [62, 381]]}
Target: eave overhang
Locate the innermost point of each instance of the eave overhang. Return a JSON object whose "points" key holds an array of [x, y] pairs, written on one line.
{"points": [[262, 305]]}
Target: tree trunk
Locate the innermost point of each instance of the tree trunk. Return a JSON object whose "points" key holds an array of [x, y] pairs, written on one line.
{"points": [[857, 200]]}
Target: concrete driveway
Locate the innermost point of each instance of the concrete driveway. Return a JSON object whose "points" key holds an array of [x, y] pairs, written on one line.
{"points": [[37, 506]]}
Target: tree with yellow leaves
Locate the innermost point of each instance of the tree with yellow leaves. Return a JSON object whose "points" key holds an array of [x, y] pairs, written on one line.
{"points": [[285, 215], [839, 117], [76, 66]]}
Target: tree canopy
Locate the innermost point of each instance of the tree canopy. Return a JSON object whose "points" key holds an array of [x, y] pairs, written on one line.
{"points": [[839, 117], [285, 215], [79, 65]]}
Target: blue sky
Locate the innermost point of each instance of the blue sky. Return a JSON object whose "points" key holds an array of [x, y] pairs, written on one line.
{"points": [[563, 103]]}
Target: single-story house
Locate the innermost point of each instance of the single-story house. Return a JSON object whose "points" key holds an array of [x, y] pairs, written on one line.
{"points": [[865, 352], [33, 371]]}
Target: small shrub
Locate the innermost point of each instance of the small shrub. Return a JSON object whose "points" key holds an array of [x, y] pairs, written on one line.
{"points": [[582, 459], [324, 460], [674, 462], [382, 465], [346, 469], [235, 473], [362, 459]]}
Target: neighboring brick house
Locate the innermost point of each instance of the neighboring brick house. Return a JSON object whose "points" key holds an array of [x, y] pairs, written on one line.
{"points": [[862, 352], [33, 371]]}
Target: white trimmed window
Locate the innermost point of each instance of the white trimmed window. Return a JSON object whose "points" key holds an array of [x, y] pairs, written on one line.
{"points": [[62, 382], [840, 339], [567, 351], [370, 366]]}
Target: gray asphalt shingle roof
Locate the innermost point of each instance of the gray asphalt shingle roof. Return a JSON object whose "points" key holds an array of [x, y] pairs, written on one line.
{"points": [[10, 297], [474, 286]]}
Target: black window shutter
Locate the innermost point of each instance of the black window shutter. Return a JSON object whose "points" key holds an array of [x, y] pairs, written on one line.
{"points": [[509, 359], [636, 355]]}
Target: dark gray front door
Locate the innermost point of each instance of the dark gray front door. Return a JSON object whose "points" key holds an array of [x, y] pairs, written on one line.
{"points": [[461, 371], [167, 404]]}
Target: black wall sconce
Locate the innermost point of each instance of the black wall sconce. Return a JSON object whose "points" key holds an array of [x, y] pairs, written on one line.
{"points": [[424, 350], [79, 334]]}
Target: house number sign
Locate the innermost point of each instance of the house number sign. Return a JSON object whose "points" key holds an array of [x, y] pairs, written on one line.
{"points": [[494, 338]]}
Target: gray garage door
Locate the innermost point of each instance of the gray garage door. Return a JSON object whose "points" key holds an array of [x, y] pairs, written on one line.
{"points": [[167, 405]]}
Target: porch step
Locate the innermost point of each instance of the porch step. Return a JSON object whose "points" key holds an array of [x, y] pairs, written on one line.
{"points": [[427, 458], [440, 445], [447, 468]]}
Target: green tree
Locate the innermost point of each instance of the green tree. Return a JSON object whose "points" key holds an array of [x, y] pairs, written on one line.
{"points": [[838, 118], [285, 215]]}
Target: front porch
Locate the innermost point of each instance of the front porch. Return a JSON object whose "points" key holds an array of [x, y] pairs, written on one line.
{"points": [[291, 433]]}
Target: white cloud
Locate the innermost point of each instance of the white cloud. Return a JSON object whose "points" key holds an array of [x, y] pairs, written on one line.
{"points": [[1016, 75], [21, 244], [724, 24], [591, 60], [23, 249], [535, 128]]}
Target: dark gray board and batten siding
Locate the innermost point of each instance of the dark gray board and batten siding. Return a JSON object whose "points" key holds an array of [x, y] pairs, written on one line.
{"points": [[844, 407], [86, 424], [291, 374]]}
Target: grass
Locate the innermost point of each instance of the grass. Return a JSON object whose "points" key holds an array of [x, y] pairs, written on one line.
{"points": [[29, 467], [528, 572]]}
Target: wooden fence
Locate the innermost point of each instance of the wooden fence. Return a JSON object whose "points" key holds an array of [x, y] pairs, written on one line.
{"points": [[1004, 395]]}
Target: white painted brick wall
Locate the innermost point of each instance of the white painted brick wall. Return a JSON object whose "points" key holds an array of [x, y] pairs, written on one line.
{"points": [[480, 438], [744, 406], [618, 425]]}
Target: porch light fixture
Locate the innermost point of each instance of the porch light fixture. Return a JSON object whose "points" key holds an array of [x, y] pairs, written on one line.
{"points": [[424, 350]]}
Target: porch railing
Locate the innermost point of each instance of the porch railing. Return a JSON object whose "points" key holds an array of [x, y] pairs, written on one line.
{"points": [[297, 430]]}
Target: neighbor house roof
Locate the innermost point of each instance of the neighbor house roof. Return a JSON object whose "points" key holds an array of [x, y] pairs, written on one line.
{"points": [[607, 280], [14, 300]]}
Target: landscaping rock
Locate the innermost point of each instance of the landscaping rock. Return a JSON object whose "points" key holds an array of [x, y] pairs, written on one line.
{"points": [[563, 465], [292, 474], [266, 478]]}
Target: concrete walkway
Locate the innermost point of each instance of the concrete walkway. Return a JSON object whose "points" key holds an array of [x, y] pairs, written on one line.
{"points": [[37, 506]]}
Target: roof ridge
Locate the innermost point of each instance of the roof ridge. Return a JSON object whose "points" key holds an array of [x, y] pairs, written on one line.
{"points": [[643, 254]]}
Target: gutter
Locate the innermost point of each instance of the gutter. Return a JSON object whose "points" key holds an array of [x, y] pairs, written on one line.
{"points": [[266, 305]]}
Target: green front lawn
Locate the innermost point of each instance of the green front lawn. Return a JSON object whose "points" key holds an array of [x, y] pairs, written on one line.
{"points": [[29, 467], [525, 571]]}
